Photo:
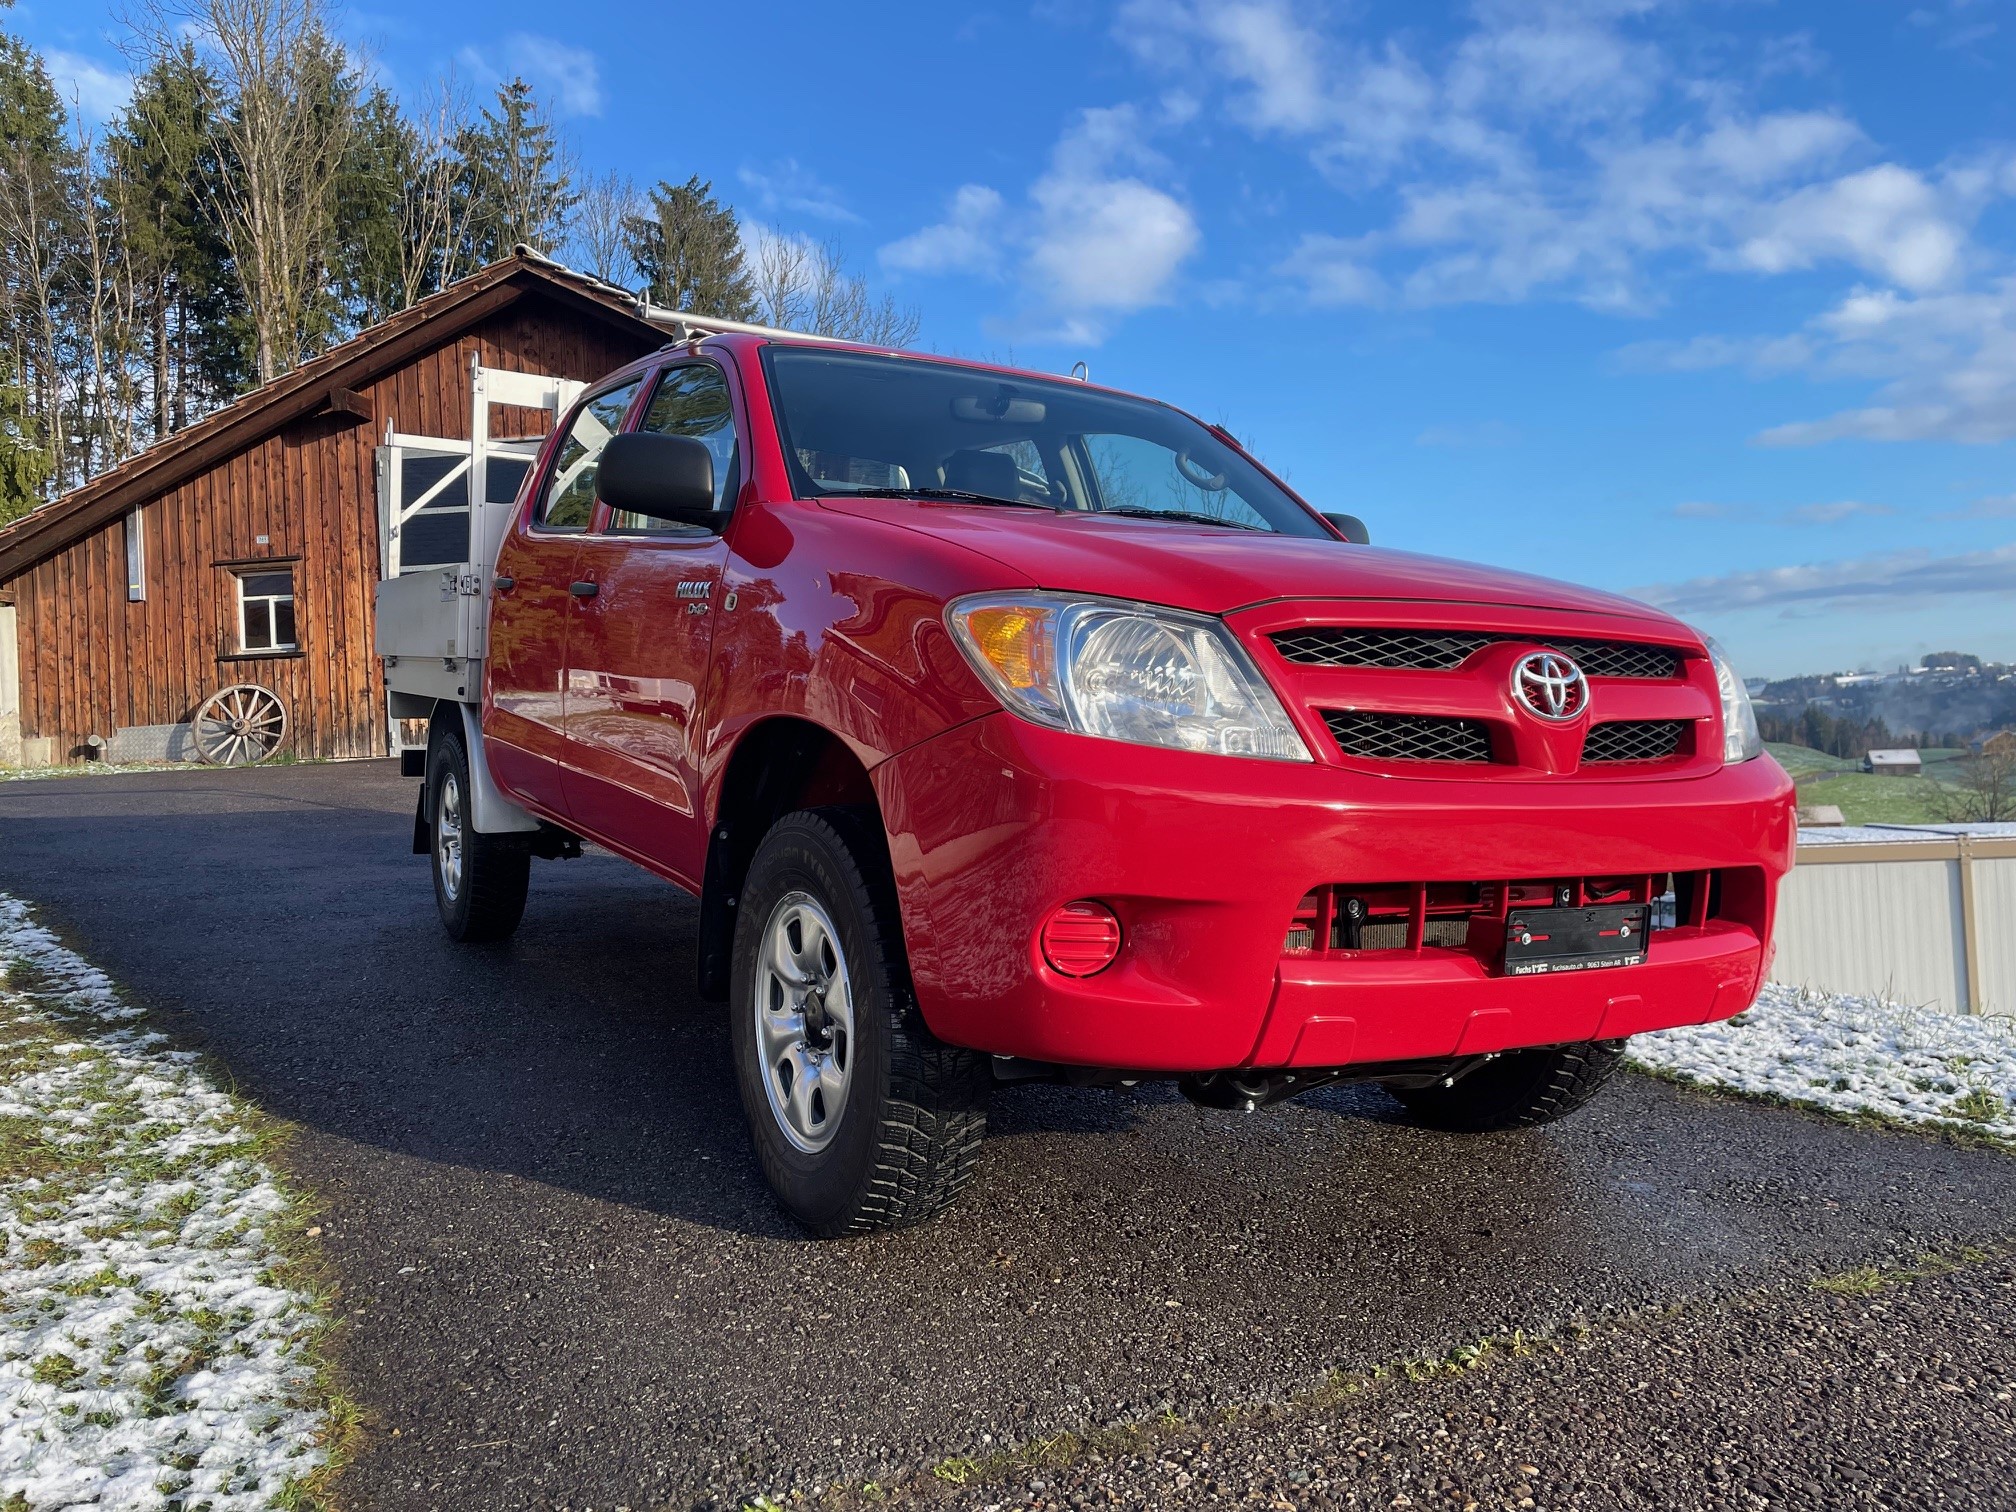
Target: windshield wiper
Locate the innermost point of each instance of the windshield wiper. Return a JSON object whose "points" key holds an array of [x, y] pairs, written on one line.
{"points": [[957, 496], [1143, 512]]}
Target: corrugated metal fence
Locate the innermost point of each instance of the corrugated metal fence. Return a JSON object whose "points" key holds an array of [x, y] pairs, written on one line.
{"points": [[1922, 916]]}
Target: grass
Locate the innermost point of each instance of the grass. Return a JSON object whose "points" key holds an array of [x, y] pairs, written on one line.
{"points": [[1868, 1280], [1798, 759], [1865, 798], [1963, 1129], [106, 1113]]}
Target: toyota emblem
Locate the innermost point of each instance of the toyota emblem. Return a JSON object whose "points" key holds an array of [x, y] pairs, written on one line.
{"points": [[1549, 686]]}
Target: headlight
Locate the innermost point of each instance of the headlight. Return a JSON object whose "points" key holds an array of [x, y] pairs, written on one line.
{"points": [[1740, 740], [1125, 671]]}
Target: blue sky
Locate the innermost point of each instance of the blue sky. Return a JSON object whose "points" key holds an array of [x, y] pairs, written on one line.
{"points": [[1712, 302]]}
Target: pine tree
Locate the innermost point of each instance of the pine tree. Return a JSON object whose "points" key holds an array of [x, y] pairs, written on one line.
{"points": [[39, 169], [382, 163], [162, 166], [514, 186], [688, 248], [24, 466]]}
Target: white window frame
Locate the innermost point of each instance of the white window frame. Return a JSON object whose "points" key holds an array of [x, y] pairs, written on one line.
{"points": [[136, 556], [278, 648]]}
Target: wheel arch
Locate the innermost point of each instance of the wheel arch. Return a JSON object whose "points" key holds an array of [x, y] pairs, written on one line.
{"points": [[779, 765], [491, 813]]}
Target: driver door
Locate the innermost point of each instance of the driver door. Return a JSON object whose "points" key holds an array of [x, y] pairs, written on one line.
{"points": [[638, 647], [532, 611]]}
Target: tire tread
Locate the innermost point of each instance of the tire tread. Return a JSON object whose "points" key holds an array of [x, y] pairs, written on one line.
{"points": [[496, 869], [928, 1140], [1520, 1091]]}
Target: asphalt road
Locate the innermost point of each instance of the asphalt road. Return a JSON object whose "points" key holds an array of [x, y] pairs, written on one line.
{"points": [[567, 1287]]}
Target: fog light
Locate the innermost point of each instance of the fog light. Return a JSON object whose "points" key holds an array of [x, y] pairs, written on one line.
{"points": [[1081, 938]]}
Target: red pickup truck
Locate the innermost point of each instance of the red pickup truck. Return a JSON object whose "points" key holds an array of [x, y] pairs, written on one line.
{"points": [[1009, 727]]}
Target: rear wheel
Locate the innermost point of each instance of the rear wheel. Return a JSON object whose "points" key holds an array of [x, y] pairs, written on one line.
{"points": [[1517, 1090], [480, 880], [861, 1117]]}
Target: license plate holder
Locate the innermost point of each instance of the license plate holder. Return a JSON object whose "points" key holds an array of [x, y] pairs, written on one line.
{"points": [[1542, 941]]}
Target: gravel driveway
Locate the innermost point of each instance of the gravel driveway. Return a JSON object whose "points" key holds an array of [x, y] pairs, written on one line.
{"points": [[566, 1285]]}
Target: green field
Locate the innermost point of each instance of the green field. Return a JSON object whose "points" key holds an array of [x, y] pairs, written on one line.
{"points": [[1862, 797], [1799, 760]]}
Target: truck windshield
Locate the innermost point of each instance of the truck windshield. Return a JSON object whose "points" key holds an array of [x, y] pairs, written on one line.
{"points": [[854, 423]]}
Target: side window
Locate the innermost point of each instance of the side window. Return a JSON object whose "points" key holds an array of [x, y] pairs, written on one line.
{"points": [[692, 401], [570, 492], [266, 611]]}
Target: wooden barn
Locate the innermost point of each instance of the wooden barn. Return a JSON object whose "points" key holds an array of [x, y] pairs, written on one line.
{"points": [[245, 549]]}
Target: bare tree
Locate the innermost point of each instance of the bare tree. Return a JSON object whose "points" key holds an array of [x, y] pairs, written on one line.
{"points": [[432, 215], [803, 285], [37, 235], [108, 400], [598, 243], [288, 114], [1984, 789]]}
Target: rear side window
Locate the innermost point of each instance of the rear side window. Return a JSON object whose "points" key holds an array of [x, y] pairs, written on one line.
{"points": [[692, 401], [570, 492]]}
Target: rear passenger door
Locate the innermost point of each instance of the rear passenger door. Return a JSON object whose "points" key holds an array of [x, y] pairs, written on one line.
{"points": [[638, 649], [533, 608]]}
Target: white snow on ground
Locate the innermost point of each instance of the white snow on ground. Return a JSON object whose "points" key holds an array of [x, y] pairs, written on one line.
{"points": [[149, 1357], [1853, 1055]]}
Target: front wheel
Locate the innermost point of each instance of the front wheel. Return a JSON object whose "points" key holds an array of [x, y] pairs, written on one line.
{"points": [[862, 1119], [1517, 1089], [480, 880]]}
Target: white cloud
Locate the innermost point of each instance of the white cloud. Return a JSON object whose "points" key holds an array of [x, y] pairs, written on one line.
{"points": [[1944, 363], [1333, 270], [788, 186], [94, 91], [1107, 244], [1898, 577], [568, 78], [1996, 507], [1885, 220], [1555, 149], [1095, 238], [968, 240], [1835, 513]]}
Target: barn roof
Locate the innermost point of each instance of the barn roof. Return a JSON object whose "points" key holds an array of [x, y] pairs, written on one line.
{"points": [[317, 385]]}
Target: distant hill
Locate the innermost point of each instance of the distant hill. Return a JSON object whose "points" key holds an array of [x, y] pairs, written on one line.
{"points": [[1944, 702]]}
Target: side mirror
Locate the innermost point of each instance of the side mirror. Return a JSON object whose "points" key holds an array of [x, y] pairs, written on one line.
{"points": [[669, 478], [1351, 528]]}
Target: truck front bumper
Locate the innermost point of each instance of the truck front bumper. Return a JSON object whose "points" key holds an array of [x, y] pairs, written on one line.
{"points": [[996, 822]]}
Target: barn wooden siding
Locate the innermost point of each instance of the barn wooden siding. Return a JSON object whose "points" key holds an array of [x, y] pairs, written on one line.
{"points": [[93, 661]]}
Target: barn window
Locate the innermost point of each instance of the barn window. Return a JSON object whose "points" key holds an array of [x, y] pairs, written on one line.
{"points": [[136, 556], [266, 611]]}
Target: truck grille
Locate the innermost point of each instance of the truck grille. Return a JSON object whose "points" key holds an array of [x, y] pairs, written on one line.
{"points": [[1408, 737], [1634, 740], [1444, 651]]}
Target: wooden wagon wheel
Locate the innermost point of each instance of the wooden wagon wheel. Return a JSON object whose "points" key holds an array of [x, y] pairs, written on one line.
{"points": [[240, 725]]}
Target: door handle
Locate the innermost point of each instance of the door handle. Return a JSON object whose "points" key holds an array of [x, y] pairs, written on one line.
{"points": [[503, 584], [584, 590]]}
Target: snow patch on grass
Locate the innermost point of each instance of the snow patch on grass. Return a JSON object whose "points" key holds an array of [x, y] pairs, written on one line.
{"points": [[1853, 1055], [151, 1352]]}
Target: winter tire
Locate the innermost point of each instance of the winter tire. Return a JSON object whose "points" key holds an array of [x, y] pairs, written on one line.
{"points": [[479, 880], [861, 1118], [1517, 1090]]}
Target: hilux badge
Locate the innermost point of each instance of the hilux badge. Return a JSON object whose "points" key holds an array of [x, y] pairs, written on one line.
{"points": [[1549, 686]]}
